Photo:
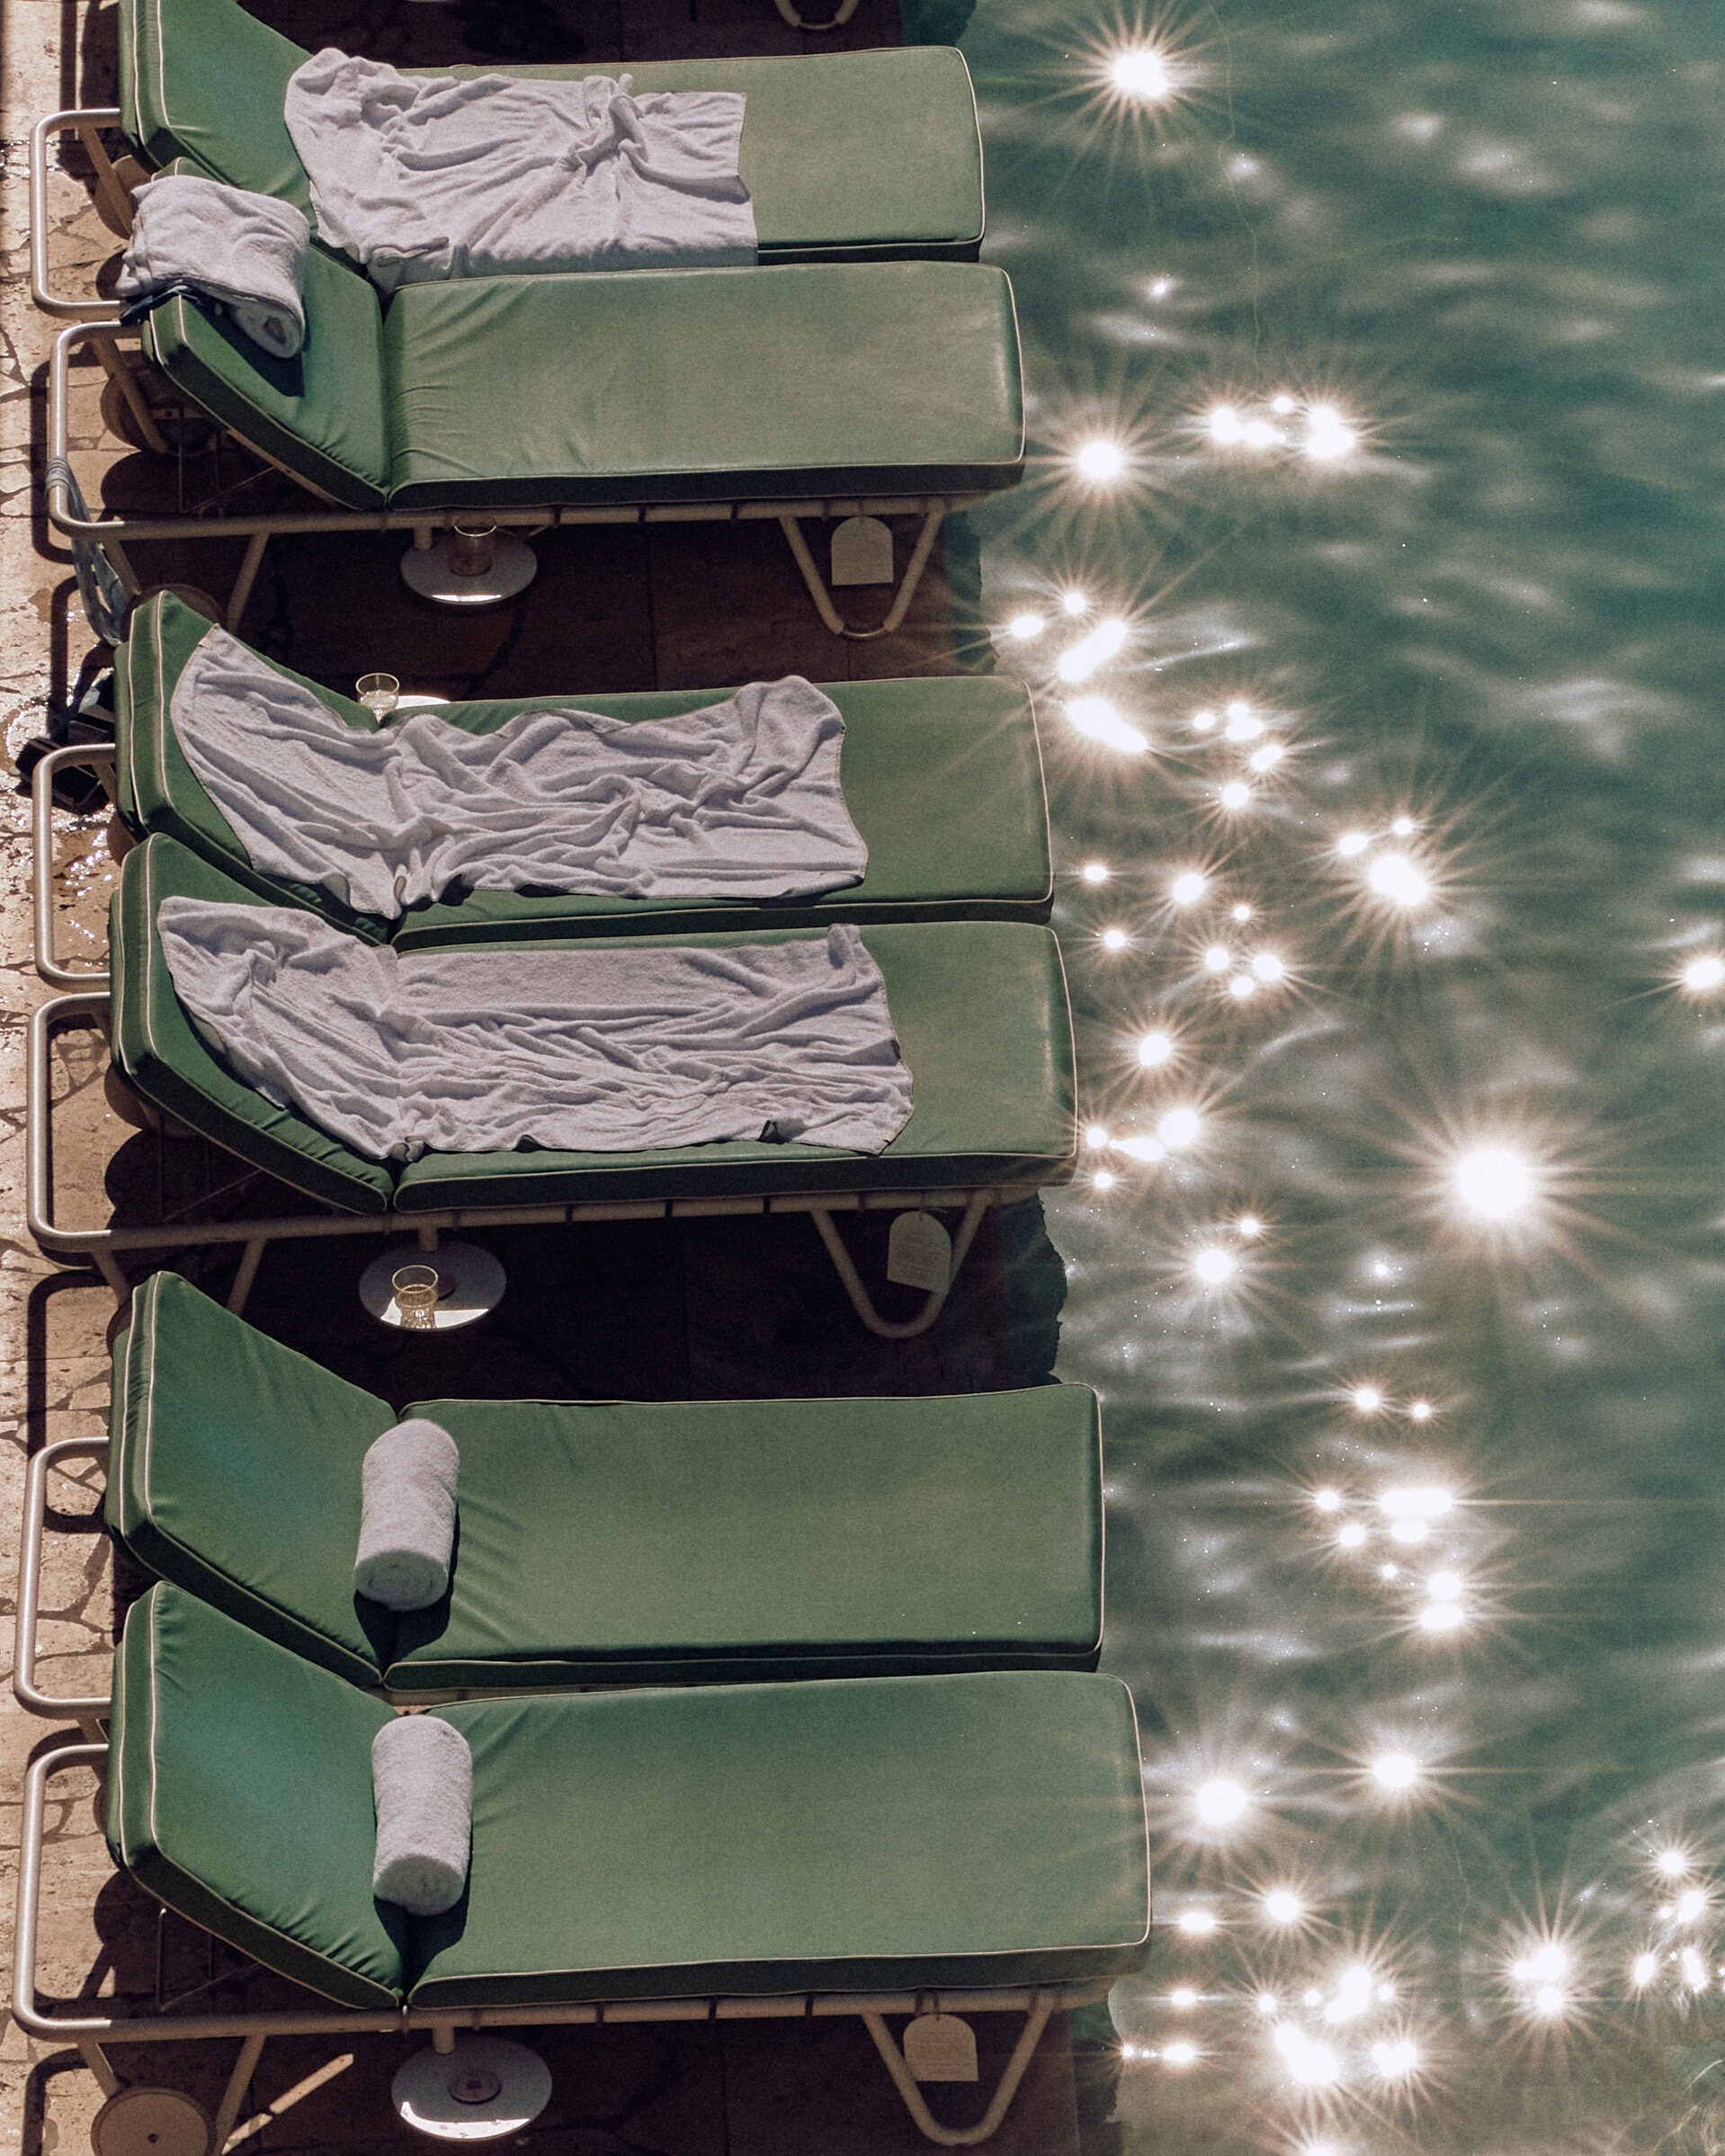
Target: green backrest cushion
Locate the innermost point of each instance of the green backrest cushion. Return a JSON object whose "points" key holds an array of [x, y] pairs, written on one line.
{"points": [[842, 150], [320, 414], [684, 385], [234, 1471], [688, 1538], [204, 77], [980, 1012], [239, 1794], [941, 775], [156, 1047], [882, 1832]]}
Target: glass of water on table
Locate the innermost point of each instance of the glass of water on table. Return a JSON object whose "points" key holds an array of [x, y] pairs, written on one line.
{"points": [[379, 693]]}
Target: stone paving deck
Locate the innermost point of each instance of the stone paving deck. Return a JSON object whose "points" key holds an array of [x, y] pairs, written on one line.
{"points": [[651, 1310]]}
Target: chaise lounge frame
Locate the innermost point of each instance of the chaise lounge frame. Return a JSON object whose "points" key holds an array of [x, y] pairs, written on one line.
{"points": [[94, 2034], [95, 322], [103, 1246]]}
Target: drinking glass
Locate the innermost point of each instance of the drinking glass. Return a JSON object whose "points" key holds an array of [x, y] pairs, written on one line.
{"points": [[416, 1293], [379, 693]]}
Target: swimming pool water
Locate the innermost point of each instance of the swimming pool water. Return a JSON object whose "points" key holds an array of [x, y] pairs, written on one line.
{"points": [[1377, 388]]}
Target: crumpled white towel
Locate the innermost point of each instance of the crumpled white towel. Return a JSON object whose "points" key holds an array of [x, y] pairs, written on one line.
{"points": [[422, 1789], [495, 174], [245, 251], [739, 801], [624, 1049]]}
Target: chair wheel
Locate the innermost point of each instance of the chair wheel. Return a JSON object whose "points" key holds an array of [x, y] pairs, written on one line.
{"points": [[189, 430], [151, 2121]]}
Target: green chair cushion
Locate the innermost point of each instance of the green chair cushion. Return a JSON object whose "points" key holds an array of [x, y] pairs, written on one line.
{"points": [[234, 1470], [608, 1543], [886, 1833], [239, 1794], [981, 1013], [891, 1832], [702, 385], [842, 152], [680, 1542], [941, 775], [155, 1045]]}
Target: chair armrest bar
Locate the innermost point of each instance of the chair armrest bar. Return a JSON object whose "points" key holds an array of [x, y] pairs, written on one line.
{"points": [[94, 754], [30, 1566]]}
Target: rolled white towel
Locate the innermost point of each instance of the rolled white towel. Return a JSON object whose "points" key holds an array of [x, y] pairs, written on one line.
{"points": [[422, 1784], [408, 1516], [246, 252]]}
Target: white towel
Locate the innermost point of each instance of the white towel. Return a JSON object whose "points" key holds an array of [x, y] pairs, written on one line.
{"points": [[408, 1482], [624, 1049], [422, 1786], [492, 174], [739, 801], [246, 252]]}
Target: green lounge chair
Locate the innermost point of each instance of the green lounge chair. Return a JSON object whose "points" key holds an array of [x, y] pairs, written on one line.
{"points": [[980, 1010], [943, 777], [858, 156], [600, 1542], [740, 1849], [819, 388]]}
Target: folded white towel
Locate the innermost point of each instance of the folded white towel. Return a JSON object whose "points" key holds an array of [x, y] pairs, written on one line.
{"points": [[408, 1516], [496, 175], [422, 1785], [245, 251]]}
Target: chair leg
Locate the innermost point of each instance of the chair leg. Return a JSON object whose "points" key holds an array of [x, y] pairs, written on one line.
{"points": [[863, 1303], [234, 2095], [248, 576], [962, 2137], [792, 529]]}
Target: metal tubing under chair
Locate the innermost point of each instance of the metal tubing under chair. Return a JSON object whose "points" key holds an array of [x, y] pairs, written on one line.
{"points": [[823, 598], [93, 2033], [88, 1714], [103, 1245], [95, 754]]}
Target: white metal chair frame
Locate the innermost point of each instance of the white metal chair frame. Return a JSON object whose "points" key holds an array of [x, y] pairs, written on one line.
{"points": [[94, 2034], [95, 322]]}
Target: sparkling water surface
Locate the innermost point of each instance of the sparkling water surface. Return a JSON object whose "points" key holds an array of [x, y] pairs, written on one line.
{"points": [[1369, 571]]}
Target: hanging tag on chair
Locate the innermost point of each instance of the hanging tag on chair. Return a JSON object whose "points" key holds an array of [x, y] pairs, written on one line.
{"points": [[940, 2047], [920, 1253], [862, 551]]}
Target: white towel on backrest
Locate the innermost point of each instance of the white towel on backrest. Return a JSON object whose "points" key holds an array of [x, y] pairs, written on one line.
{"points": [[492, 174], [625, 1050], [246, 251], [738, 801]]}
